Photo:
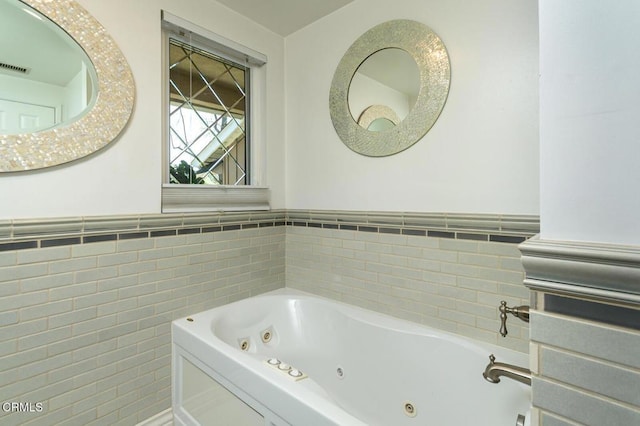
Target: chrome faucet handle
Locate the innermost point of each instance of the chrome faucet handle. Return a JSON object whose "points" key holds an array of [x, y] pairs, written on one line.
{"points": [[521, 312]]}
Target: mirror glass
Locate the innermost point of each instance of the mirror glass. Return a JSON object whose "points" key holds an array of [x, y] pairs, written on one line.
{"points": [[380, 124], [46, 78], [390, 78], [79, 122]]}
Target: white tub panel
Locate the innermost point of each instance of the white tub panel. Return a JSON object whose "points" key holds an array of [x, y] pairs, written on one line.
{"points": [[363, 367]]}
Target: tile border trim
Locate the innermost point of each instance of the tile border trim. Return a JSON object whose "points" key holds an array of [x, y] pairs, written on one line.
{"points": [[29, 234], [597, 271], [22, 234], [512, 229]]}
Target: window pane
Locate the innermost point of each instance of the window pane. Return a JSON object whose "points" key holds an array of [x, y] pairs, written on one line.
{"points": [[207, 118]]}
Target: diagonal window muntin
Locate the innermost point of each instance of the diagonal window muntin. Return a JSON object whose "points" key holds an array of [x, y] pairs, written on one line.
{"points": [[216, 103]]}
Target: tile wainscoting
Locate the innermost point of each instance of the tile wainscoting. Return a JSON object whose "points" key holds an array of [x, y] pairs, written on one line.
{"points": [[585, 332], [85, 316], [86, 303], [449, 271]]}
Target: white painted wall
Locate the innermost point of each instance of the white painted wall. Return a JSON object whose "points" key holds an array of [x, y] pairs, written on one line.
{"points": [[482, 153], [125, 177], [590, 120]]}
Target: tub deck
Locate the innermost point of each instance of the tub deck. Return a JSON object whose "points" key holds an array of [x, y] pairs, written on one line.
{"points": [[359, 367]]}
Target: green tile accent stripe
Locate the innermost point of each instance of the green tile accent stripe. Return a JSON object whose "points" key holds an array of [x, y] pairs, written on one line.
{"points": [[33, 233]]}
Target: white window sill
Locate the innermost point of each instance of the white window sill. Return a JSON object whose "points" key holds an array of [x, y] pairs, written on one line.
{"points": [[177, 198]]}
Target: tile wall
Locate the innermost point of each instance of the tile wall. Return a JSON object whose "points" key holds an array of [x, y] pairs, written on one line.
{"points": [[585, 332], [86, 303], [85, 314], [586, 371], [446, 271]]}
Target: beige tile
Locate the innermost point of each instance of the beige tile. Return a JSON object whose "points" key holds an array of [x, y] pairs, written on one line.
{"points": [[43, 255], [93, 249]]}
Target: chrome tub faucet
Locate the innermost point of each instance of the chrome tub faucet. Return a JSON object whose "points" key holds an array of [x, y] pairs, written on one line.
{"points": [[495, 370]]}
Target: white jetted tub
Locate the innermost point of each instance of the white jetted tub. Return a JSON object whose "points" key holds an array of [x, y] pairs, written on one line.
{"points": [[290, 358]]}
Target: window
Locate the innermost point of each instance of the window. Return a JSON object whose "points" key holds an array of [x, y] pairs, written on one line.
{"points": [[210, 121], [207, 117]]}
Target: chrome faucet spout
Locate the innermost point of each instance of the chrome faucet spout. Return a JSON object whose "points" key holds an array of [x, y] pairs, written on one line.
{"points": [[495, 370]]}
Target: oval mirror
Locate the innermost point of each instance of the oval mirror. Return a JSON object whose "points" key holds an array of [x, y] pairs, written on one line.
{"points": [[389, 78], [427, 51], [46, 79], [76, 88]]}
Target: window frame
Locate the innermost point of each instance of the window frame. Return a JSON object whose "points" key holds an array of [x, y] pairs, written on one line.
{"points": [[254, 195]]}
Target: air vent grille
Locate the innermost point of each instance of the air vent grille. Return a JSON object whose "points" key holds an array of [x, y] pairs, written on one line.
{"points": [[16, 68]]}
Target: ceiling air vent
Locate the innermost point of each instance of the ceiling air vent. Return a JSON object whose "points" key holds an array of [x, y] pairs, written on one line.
{"points": [[15, 68]]}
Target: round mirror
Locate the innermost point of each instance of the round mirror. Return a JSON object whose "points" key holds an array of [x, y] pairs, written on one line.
{"points": [[429, 56], [85, 119], [46, 79], [389, 78]]}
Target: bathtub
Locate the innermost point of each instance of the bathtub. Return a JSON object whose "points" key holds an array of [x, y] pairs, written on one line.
{"points": [[290, 358]]}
